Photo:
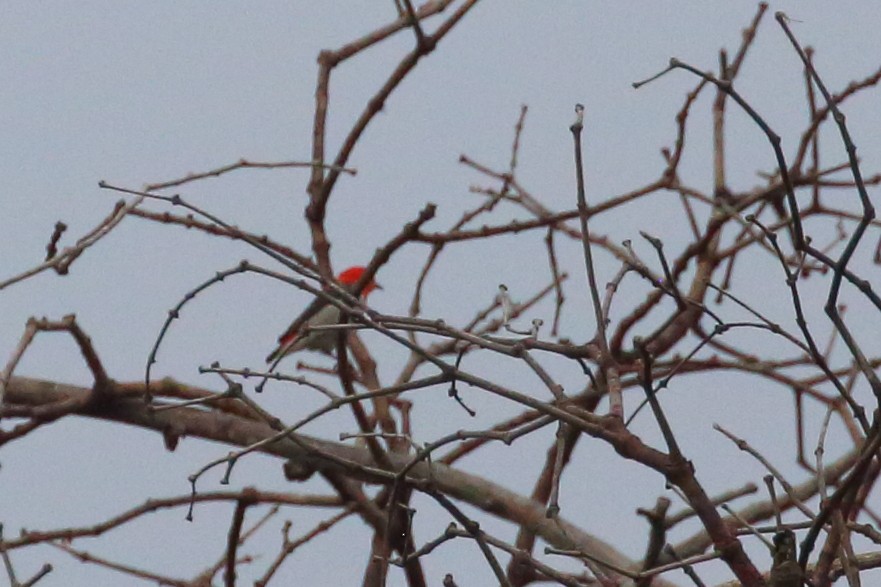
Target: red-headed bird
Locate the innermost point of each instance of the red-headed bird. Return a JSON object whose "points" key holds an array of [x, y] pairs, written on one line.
{"points": [[319, 313]]}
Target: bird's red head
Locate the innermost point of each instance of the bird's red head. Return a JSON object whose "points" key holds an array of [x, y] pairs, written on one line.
{"points": [[351, 276]]}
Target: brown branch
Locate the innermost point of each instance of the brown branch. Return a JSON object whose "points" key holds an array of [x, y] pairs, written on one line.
{"points": [[62, 261], [132, 571], [234, 233], [320, 186], [240, 164], [329, 456], [233, 539]]}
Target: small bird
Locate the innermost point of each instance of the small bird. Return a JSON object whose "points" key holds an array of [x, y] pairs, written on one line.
{"points": [[319, 313]]}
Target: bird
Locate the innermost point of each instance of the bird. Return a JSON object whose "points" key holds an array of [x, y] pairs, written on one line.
{"points": [[319, 313]]}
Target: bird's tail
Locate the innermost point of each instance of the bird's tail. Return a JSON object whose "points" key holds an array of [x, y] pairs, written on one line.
{"points": [[273, 356]]}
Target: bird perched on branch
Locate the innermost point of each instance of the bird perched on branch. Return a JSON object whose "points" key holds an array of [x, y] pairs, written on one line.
{"points": [[320, 312]]}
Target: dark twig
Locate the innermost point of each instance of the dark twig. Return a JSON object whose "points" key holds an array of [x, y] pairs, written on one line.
{"points": [[607, 366], [663, 424], [557, 281], [52, 246], [657, 536], [61, 261], [473, 528], [232, 543], [240, 164], [840, 266], [593, 289]]}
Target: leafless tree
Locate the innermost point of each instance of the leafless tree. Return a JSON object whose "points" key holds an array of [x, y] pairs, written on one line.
{"points": [[813, 530]]}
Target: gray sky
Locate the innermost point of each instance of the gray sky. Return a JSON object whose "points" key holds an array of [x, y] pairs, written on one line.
{"points": [[134, 92]]}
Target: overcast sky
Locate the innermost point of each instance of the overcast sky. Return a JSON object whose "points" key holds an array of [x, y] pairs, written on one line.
{"points": [[139, 92]]}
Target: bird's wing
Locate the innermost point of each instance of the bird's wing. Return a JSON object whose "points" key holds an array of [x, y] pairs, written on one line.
{"points": [[297, 325], [293, 331], [289, 335]]}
